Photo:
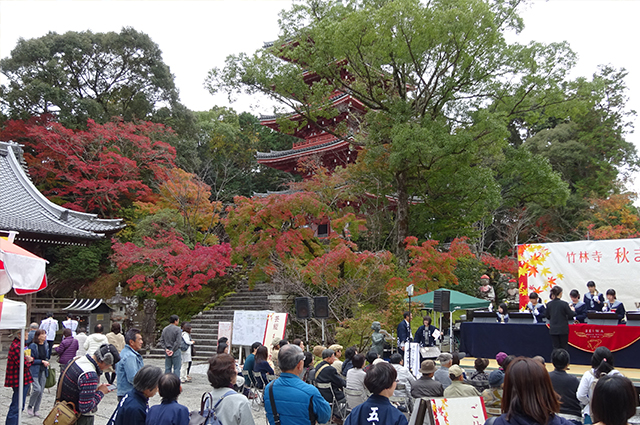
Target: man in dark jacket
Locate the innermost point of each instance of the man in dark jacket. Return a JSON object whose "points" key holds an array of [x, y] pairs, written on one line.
{"points": [[132, 409], [81, 381], [565, 385], [426, 386], [404, 331], [328, 374]]}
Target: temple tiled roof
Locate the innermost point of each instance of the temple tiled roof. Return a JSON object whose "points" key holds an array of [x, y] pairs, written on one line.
{"points": [[334, 98], [24, 209], [296, 152]]}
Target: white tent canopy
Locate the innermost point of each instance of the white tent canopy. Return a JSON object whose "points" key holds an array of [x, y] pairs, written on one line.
{"points": [[13, 315]]}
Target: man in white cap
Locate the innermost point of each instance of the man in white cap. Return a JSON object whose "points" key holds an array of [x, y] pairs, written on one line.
{"points": [[458, 388], [442, 375]]}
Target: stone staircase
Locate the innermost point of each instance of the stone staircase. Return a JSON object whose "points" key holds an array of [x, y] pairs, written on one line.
{"points": [[204, 325]]}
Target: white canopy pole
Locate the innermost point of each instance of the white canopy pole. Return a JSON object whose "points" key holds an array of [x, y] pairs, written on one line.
{"points": [[21, 378]]}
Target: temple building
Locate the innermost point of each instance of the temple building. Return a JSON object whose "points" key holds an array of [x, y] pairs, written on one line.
{"points": [[36, 220], [332, 151]]}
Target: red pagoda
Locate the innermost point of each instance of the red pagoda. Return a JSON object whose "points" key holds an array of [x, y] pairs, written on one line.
{"points": [[330, 150]]}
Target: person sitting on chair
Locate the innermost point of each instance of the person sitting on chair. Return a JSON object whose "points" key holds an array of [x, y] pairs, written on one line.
{"points": [[377, 410], [326, 374]]}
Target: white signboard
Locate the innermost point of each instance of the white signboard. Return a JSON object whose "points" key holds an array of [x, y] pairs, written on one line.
{"points": [[224, 329], [412, 357], [611, 264], [249, 326]]}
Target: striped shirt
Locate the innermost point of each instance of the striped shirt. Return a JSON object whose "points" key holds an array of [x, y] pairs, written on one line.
{"points": [[80, 385]]}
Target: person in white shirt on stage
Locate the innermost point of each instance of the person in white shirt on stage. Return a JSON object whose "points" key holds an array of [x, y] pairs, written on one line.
{"points": [[578, 307], [536, 307], [593, 299], [614, 306]]}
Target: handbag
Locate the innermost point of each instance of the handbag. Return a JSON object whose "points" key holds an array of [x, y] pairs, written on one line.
{"points": [[207, 414], [51, 378], [63, 412]]}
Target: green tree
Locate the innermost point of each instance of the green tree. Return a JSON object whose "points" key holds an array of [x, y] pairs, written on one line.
{"points": [[227, 143], [439, 80], [588, 147], [584, 140], [81, 75]]}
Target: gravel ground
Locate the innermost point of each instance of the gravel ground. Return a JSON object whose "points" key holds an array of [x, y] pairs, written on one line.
{"points": [[190, 397]]}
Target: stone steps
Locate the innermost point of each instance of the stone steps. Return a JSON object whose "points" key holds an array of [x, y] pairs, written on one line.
{"points": [[204, 325]]}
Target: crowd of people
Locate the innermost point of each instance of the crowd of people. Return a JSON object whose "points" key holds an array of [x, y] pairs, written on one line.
{"points": [[301, 386]]}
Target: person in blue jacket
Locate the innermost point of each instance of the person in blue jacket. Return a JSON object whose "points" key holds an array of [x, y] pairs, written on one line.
{"points": [[424, 334], [130, 362], [296, 402], [503, 313], [132, 408], [615, 306], [593, 299], [537, 308], [39, 370], [404, 331], [169, 412], [579, 308], [378, 410]]}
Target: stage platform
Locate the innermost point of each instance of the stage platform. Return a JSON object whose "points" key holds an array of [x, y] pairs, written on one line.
{"points": [[577, 370], [487, 339]]}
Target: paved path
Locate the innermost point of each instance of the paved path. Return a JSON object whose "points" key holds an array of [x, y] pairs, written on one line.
{"points": [[190, 397]]}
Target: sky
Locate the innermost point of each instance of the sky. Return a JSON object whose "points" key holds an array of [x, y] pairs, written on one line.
{"points": [[196, 36]]}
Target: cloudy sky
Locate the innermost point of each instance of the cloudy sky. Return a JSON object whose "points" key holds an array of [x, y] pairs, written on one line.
{"points": [[197, 35]]}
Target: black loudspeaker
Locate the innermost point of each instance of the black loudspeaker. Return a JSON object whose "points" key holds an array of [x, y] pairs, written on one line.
{"points": [[303, 309], [441, 301], [321, 307]]}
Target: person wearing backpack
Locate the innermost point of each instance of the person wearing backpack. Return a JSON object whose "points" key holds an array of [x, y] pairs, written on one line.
{"points": [[228, 407], [602, 364]]}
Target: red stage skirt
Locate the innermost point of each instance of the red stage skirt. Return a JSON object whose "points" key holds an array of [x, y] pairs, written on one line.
{"points": [[587, 337]]}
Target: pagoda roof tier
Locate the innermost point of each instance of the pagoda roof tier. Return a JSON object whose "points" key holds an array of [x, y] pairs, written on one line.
{"points": [[25, 210], [344, 102], [333, 153]]}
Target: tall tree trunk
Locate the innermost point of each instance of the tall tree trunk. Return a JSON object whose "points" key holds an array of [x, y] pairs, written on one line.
{"points": [[402, 217]]}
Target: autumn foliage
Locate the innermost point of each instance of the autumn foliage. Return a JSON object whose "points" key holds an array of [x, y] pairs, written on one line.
{"points": [[166, 266], [100, 169], [613, 218]]}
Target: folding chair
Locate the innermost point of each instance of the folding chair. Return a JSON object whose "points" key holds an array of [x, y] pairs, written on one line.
{"points": [[354, 398], [338, 407], [254, 394]]}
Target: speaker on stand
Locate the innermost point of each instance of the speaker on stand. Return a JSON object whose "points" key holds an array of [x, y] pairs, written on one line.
{"points": [[441, 302], [303, 311], [321, 311]]}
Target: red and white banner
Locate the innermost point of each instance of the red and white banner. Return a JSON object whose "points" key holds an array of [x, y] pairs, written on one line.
{"points": [[611, 264], [276, 326], [587, 337]]}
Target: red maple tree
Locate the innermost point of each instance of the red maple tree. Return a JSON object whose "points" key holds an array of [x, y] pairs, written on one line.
{"points": [[166, 265], [100, 169]]}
